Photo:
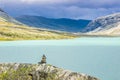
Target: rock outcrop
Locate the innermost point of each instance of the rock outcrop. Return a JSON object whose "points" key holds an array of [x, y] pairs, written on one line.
{"points": [[15, 71]]}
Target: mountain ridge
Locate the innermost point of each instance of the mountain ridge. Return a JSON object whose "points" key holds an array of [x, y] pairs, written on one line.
{"points": [[8, 18], [1, 10], [61, 24]]}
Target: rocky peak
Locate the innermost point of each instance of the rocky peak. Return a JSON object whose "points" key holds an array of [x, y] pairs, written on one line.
{"points": [[103, 22]]}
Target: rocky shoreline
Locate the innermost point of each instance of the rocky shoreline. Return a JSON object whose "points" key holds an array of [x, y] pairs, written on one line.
{"points": [[18, 71]]}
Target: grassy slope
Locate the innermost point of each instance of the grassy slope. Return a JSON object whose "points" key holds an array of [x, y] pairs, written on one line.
{"points": [[11, 31]]}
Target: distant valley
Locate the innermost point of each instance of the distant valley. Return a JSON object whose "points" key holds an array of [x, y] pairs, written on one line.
{"points": [[61, 24], [103, 26], [11, 29]]}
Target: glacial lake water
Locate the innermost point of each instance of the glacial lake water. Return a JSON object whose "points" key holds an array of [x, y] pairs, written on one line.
{"points": [[99, 57]]}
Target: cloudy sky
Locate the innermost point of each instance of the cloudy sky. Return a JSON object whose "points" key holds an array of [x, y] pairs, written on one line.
{"points": [[76, 9]]}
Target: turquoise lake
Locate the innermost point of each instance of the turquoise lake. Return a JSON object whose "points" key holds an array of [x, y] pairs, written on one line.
{"points": [[98, 56]]}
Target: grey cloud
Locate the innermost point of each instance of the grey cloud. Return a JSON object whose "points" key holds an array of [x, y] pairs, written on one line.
{"points": [[79, 3], [77, 9]]}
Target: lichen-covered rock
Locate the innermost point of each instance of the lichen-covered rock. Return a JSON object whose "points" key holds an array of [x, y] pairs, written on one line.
{"points": [[15, 71]]}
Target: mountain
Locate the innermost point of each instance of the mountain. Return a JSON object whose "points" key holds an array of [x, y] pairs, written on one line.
{"points": [[11, 29], [102, 22], [62, 24], [17, 71], [106, 25], [111, 30]]}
